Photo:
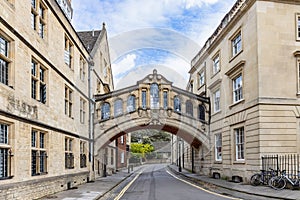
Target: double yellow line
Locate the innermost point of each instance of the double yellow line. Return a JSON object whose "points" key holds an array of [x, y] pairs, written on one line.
{"points": [[127, 186]]}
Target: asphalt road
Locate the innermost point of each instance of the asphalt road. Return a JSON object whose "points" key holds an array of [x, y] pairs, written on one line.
{"points": [[155, 182]]}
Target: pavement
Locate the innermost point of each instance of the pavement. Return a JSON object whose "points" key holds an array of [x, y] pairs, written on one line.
{"points": [[103, 185]]}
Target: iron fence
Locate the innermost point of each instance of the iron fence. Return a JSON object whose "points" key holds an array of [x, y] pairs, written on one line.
{"points": [[288, 162]]}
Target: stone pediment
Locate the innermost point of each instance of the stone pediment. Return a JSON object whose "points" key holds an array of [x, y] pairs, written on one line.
{"points": [[155, 78]]}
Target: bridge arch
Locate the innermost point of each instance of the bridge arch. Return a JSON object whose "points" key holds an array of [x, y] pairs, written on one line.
{"points": [[154, 104]]}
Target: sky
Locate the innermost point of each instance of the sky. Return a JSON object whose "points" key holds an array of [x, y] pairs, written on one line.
{"points": [[144, 35]]}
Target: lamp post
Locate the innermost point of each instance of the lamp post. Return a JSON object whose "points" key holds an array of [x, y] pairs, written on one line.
{"points": [[179, 161]]}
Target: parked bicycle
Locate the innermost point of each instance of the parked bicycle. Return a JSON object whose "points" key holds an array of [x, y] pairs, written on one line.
{"points": [[263, 177], [279, 182]]}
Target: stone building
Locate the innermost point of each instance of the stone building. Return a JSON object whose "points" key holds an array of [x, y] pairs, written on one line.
{"points": [[96, 43], [249, 67], [48, 76]]}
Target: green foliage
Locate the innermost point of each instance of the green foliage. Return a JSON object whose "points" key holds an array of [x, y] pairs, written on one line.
{"points": [[142, 149]]}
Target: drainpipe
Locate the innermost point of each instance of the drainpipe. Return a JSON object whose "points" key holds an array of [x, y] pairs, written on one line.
{"points": [[91, 117]]}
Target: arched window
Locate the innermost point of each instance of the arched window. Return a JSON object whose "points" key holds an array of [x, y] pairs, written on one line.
{"points": [[177, 104], [131, 103], [201, 112], [154, 96], [189, 108], [118, 107], [105, 111]]}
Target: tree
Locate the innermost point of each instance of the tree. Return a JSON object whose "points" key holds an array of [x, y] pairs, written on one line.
{"points": [[142, 149]]}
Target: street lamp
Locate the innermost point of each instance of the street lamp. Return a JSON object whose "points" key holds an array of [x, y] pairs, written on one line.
{"points": [[179, 161]]}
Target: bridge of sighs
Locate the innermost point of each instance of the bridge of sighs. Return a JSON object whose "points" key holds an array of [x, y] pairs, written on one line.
{"points": [[153, 103]]}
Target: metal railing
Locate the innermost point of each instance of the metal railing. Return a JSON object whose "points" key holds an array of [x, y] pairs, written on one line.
{"points": [[288, 162]]}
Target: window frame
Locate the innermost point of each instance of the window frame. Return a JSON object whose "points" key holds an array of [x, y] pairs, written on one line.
{"points": [[69, 101], [82, 69], [82, 110], [38, 152], [165, 99], [216, 101], [297, 26], [39, 74], [69, 153], [39, 18], [216, 61], [218, 147], [236, 43], [105, 111], [6, 151], [177, 104], [237, 92], [239, 145], [154, 96], [131, 105], [83, 154], [68, 52], [189, 108], [144, 99], [6, 57], [118, 107], [201, 78]]}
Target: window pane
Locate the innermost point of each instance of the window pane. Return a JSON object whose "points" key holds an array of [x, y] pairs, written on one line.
{"points": [[201, 112], [4, 46], [239, 140], [42, 140], [118, 107], [3, 134], [154, 96], [189, 108], [217, 101], [4, 162], [3, 72], [33, 138], [237, 88], [218, 145], [177, 104], [165, 94], [105, 111], [144, 97], [33, 88], [33, 162], [131, 103]]}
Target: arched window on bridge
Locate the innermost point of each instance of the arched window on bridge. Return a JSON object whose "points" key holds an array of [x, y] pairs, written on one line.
{"points": [[105, 111], [118, 107], [201, 112], [189, 108], [131, 103], [154, 96], [177, 104]]}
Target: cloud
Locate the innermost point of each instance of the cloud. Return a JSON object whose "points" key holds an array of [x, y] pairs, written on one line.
{"points": [[179, 27], [125, 64], [142, 71]]}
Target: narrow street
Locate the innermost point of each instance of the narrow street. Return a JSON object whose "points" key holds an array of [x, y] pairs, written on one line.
{"points": [[155, 182]]}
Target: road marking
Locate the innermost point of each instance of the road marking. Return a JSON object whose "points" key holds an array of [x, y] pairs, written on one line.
{"points": [[198, 187], [127, 186]]}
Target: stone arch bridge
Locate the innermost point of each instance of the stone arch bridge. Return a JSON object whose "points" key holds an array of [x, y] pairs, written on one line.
{"points": [[153, 103]]}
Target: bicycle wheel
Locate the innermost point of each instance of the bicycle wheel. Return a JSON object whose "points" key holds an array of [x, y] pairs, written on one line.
{"points": [[277, 183], [255, 179]]}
